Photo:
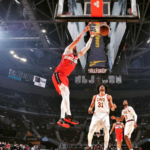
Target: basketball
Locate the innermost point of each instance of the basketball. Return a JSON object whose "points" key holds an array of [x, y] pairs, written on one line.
{"points": [[104, 29]]}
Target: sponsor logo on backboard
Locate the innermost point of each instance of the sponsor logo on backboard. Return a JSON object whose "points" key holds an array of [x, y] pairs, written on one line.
{"points": [[97, 4]]}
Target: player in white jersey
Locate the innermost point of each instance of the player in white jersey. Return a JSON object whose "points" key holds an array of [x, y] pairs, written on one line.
{"points": [[131, 118], [103, 103]]}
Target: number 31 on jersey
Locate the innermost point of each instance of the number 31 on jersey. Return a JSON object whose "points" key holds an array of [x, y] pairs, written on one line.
{"points": [[100, 104]]}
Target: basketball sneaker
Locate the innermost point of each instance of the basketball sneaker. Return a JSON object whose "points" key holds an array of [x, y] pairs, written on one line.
{"points": [[87, 148], [134, 14], [69, 119], [62, 123]]}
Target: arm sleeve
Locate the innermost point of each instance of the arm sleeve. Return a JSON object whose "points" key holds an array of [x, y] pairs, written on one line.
{"points": [[84, 50], [67, 51], [133, 113]]}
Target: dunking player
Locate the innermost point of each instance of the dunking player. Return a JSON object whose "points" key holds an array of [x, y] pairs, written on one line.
{"points": [[103, 103], [131, 118], [60, 80], [119, 133]]}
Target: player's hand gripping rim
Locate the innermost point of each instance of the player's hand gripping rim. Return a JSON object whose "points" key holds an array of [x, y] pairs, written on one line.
{"points": [[92, 34], [86, 29]]}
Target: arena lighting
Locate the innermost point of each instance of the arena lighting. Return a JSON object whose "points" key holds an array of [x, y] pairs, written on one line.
{"points": [[43, 30], [18, 1], [23, 59], [11, 52], [15, 56], [148, 41], [31, 50]]}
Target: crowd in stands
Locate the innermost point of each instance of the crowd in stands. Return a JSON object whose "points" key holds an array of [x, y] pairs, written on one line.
{"points": [[27, 102], [50, 106], [15, 146]]}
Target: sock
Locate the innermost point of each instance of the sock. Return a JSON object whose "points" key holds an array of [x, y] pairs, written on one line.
{"points": [[90, 137], [62, 107], [106, 137], [65, 104], [65, 94]]}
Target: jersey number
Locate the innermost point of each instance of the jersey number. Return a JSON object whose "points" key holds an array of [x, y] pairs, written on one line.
{"points": [[100, 104]]}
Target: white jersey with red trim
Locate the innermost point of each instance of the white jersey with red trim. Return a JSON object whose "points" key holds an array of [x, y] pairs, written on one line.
{"points": [[128, 113], [101, 104]]}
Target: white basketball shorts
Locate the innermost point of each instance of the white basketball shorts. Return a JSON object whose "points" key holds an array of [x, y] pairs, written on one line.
{"points": [[129, 128], [99, 121]]}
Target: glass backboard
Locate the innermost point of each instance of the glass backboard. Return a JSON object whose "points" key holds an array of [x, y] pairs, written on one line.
{"points": [[82, 11]]}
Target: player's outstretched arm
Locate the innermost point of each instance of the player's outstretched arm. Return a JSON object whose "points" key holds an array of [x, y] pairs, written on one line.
{"points": [[90, 110], [111, 105], [112, 128], [84, 50], [74, 43], [116, 118]]}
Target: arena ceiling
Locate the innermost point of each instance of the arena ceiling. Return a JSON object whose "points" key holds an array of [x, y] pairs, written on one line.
{"points": [[20, 31]]}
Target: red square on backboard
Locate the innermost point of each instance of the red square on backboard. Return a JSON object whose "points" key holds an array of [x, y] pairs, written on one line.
{"points": [[96, 8]]}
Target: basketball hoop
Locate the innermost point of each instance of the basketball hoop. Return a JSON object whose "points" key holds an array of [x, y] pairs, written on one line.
{"points": [[104, 29], [99, 28]]}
